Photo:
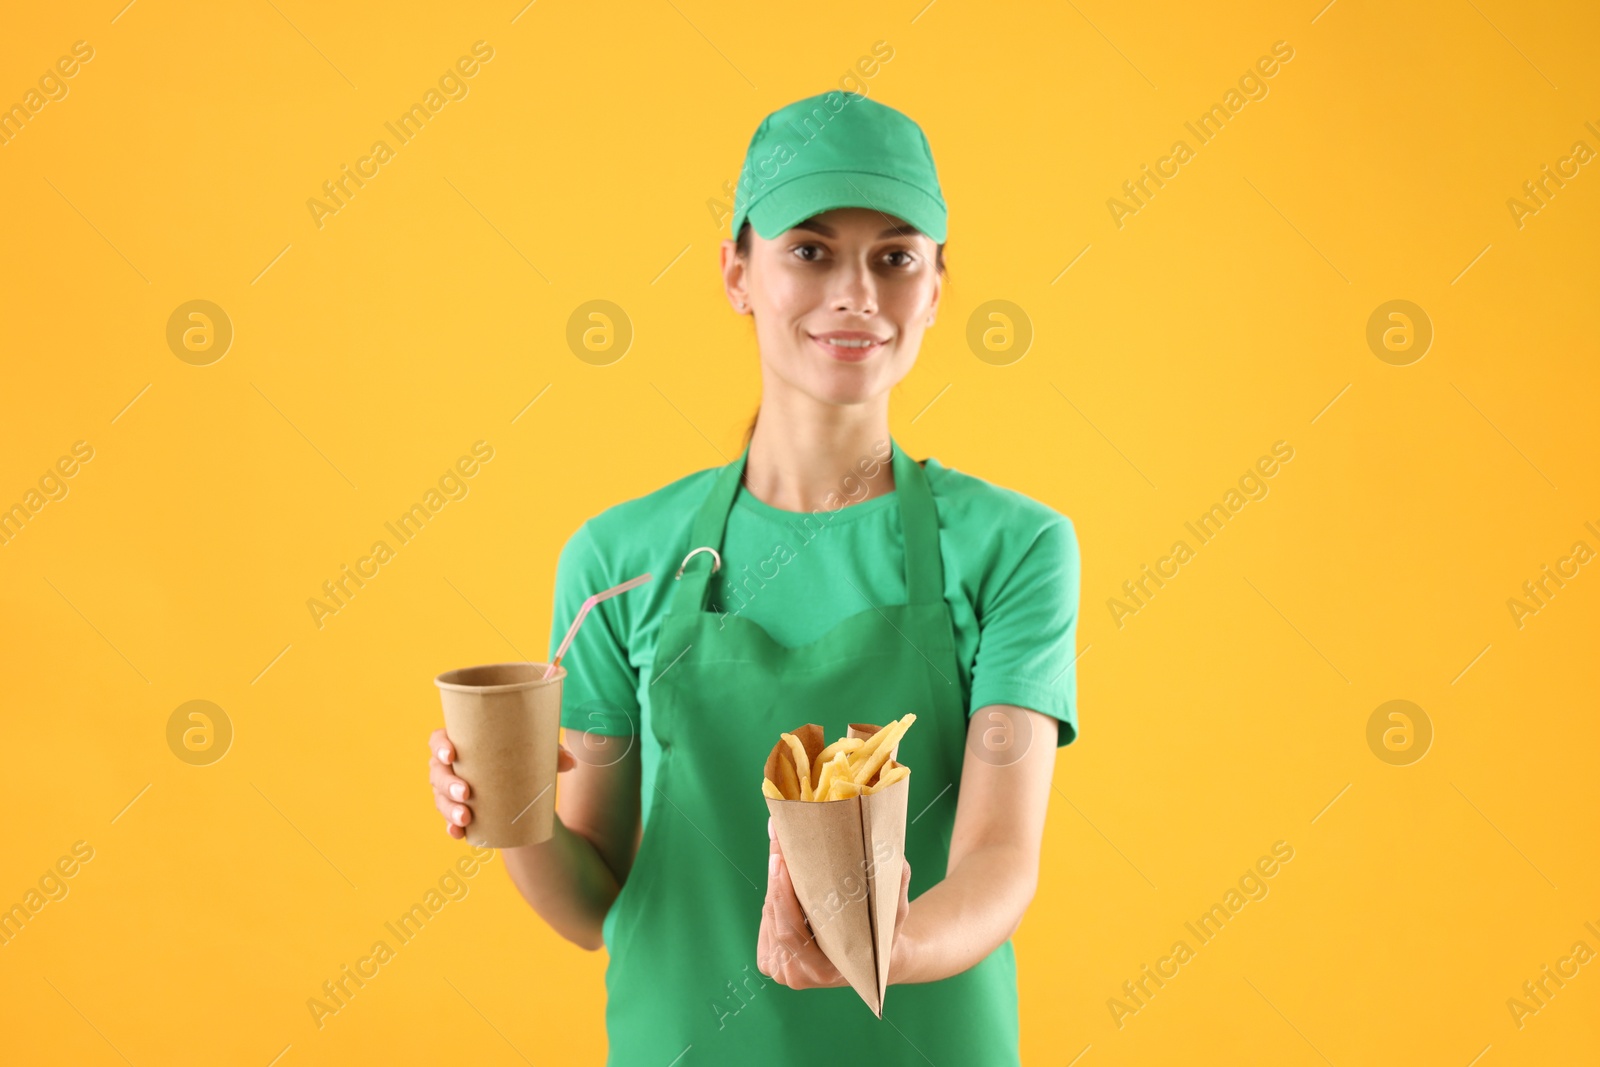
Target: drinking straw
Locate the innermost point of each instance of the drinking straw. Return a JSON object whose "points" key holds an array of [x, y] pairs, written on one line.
{"points": [[587, 604]]}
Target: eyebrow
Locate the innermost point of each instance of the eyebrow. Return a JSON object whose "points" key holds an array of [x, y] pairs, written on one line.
{"points": [[828, 231]]}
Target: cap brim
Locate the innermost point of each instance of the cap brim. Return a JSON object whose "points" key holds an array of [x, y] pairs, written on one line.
{"points": [[782, 207]]}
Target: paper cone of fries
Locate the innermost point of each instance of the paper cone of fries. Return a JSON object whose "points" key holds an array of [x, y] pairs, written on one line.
{"points": [[845, 858]]}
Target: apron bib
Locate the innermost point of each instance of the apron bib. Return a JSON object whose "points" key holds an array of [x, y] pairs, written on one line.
{"points": [[683, 986]]}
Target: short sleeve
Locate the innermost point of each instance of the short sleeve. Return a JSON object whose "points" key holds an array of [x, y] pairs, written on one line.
{"points": [[602, 697], [1027, 633]]}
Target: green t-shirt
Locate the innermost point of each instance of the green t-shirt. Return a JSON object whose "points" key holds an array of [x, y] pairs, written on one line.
{"points": [[1010, 580]]}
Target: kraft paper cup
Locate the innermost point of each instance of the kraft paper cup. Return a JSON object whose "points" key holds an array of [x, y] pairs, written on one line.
{"points": [[504, 721]]}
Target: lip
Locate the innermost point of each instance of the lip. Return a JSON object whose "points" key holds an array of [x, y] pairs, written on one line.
{"points": [[847, 355]]}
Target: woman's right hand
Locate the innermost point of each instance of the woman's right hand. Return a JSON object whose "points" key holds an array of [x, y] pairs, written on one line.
{"points": [[451, 794]]}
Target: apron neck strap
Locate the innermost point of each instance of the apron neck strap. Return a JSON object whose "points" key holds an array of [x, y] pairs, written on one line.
{"points": [[918, 521]]}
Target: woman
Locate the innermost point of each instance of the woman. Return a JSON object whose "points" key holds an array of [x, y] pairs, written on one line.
{"points": [[844, 582]]}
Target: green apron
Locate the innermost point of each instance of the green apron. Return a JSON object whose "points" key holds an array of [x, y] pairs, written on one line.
{"points": [[683, 986]]}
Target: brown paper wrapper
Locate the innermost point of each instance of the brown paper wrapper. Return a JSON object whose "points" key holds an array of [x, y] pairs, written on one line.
{"points": [[504, 720], [845, 858]]}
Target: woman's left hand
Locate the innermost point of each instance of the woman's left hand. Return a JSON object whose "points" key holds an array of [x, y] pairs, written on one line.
{"points": [[787, 951]]}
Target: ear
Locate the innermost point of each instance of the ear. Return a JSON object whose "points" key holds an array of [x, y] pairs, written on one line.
{"points": [[735, 276]]}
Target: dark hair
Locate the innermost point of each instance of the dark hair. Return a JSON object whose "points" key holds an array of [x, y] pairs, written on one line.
{"points": [[742, 244]]}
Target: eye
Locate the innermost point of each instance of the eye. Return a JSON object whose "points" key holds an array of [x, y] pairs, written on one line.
{"points": [[909, 259], [814, 249]]}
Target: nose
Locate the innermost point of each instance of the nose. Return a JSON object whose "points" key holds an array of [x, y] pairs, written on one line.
{"points": [[855, 290]]}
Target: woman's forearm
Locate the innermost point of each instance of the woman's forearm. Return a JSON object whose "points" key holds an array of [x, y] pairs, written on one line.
{"points": [[994, 851], [958, 922], [565, 880]]}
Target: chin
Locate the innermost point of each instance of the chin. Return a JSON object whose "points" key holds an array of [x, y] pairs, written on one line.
{"points": [[847, 385], [838, 383]]}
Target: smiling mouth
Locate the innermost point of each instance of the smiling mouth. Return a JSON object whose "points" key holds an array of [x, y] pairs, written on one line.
{"points": [[847, 349]]}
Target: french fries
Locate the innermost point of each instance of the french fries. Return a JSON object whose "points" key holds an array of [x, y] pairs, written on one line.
{"points": [[861, 772], [788, 785], [840, 764], [843, 789], [888, 777], [850, 767], [844, 744], [802, 764]]}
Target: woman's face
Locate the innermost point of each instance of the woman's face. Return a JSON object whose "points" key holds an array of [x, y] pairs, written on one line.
{"points": [[840, 302]]}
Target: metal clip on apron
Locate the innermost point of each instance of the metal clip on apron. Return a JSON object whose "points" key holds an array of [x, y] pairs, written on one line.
{"points": [[683, 980]]}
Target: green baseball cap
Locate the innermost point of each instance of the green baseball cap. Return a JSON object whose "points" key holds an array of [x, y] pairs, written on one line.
{"points": [[837, 149]]}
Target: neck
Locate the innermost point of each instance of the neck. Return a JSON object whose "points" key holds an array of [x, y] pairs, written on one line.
{"points": [[803, 452]]}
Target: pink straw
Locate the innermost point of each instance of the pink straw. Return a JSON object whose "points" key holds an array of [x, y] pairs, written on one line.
{"points": [[587, 604]]}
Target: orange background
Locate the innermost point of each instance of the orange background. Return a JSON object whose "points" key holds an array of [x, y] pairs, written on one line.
{"points": [[1229, 313]]}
